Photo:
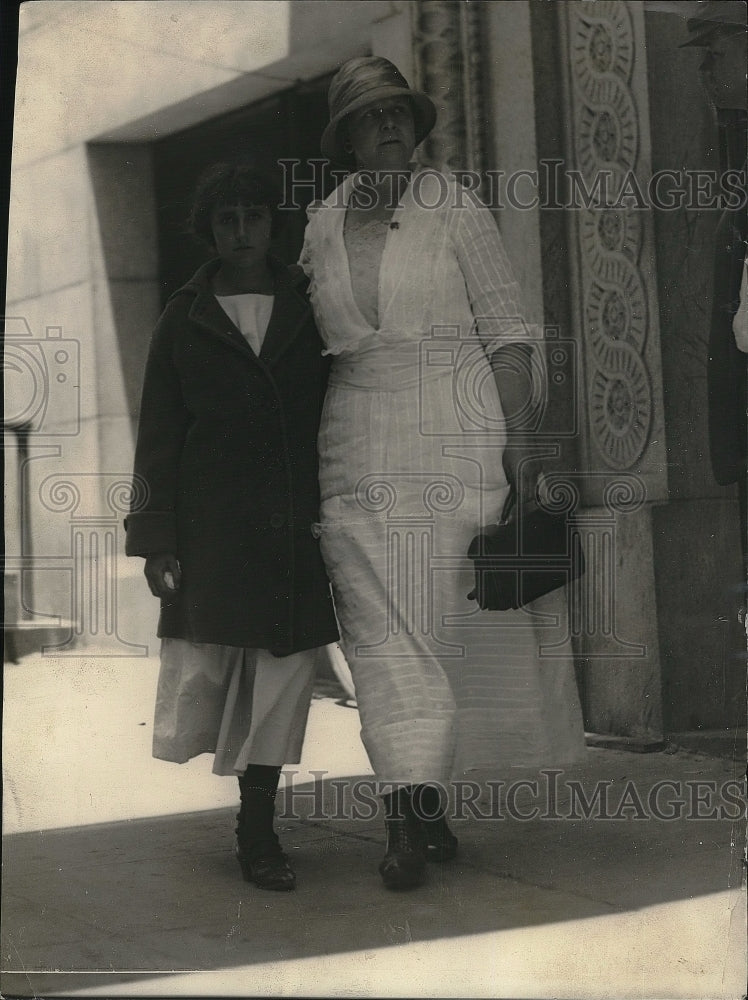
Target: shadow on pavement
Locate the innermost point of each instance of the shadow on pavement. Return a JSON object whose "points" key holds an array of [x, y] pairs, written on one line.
{"points": [[165, 894]]}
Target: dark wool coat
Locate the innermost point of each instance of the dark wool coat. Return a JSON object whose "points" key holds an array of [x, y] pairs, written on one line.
{"points": [[726, 370], [227, 448]]}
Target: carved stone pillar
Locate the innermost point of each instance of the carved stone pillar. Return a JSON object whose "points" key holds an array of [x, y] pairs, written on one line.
{"points": [[615, 318], [448, 62], [612, 235]]}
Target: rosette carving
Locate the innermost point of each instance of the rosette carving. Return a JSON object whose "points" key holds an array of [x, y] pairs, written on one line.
{"points": [[614, 288], [621, 407]]}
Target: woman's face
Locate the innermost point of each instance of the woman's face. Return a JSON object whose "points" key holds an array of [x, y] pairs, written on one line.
{"points": [[383, 134], [241, 234]]}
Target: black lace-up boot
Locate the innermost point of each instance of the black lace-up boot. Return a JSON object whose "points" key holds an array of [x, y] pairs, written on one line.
{"points": [[258, 850], [404, 864]]}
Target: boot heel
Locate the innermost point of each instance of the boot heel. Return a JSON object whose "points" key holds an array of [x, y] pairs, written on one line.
{"points": [[243, 864], [440, 843]]}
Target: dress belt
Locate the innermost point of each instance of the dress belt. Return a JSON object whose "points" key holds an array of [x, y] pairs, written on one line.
{"points": [[386, 377]]}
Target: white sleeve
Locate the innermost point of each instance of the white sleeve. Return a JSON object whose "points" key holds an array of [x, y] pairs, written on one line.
{"points": [[740, 320], [494, 294], [306, 256]]}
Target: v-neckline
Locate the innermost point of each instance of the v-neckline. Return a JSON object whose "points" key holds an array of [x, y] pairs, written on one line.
{"points": [[395, 217]]}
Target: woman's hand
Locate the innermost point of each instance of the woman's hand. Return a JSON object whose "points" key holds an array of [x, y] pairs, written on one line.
{"points": [[163, 574]]}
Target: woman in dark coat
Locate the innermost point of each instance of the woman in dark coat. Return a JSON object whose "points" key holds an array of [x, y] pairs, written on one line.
{"points": [[226, 500]]}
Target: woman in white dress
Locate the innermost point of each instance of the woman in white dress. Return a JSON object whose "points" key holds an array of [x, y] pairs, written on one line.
{"points": [[413, 294]]}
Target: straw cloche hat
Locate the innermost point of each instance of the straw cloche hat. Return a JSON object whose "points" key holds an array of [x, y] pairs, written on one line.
{"points": [[363, 81]]}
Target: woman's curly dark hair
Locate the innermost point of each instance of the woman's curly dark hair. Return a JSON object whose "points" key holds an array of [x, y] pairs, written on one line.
{"points": [[234, 183]]}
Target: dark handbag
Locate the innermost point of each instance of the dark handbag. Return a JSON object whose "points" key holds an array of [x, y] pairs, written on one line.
{"points": [[518, 561]]}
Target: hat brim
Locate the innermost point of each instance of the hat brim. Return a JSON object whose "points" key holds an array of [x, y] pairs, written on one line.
{"points": [[704, 36], [701, 39], [424, 117]]}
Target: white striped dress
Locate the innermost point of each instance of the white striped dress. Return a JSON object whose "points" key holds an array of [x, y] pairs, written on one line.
{"points": [[411, 466]]}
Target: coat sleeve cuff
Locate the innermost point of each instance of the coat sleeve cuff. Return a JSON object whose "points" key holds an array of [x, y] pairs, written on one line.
{"points": [[151, 531]]}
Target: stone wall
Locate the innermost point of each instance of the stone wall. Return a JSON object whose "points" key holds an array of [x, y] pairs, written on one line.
{"points": [[696, 534]]}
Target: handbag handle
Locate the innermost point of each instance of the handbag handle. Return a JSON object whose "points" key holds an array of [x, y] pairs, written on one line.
{"points": [[509, 505], [511, 501]]}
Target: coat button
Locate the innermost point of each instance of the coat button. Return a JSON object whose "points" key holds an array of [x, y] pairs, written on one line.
{"points": [[277, 521]]}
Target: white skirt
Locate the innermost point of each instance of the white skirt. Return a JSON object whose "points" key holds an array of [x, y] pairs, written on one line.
{"points": [[245, 705], [442, 687]]}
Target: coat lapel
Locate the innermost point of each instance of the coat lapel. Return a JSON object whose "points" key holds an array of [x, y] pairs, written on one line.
{"points": [[207, 311], [290, 311]]}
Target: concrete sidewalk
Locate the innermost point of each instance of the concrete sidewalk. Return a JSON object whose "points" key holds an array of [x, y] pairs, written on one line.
{"points": [[119, 878]]}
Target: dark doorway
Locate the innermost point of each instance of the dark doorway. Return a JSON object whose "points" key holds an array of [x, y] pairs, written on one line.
{"points": [[284, 126]]}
